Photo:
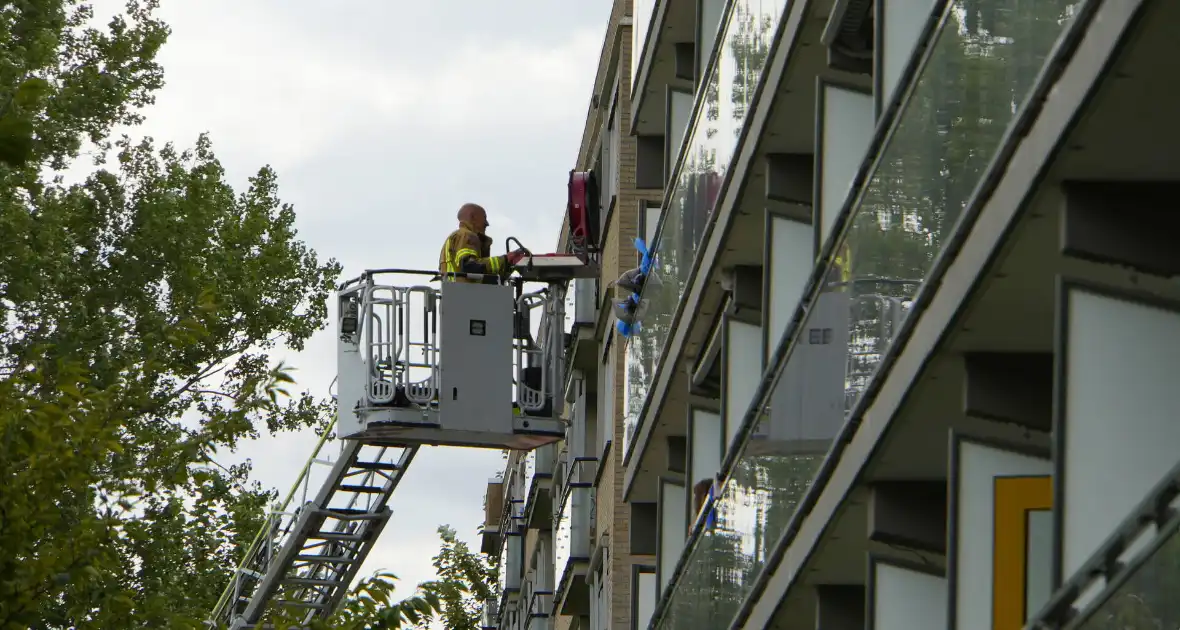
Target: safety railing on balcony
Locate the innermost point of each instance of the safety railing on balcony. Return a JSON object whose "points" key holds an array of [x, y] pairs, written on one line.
{"points": [[540, 607], [1133, 579], [719, 115], [574, 519], [966, 90]]}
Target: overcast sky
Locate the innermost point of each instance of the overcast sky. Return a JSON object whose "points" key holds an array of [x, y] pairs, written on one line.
{"points": [[381, 118]]}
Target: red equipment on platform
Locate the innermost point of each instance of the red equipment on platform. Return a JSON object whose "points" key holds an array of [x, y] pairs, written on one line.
{"points": [[582, 211]]}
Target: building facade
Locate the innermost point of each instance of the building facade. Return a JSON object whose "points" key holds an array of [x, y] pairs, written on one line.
{"points": [[905, 356]]}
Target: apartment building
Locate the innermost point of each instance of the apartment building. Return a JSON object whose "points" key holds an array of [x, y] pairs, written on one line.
{"points": [[906, 355]]}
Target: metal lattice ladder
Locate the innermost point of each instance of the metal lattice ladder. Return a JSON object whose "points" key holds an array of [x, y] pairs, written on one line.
{"points": [[304, 559]]}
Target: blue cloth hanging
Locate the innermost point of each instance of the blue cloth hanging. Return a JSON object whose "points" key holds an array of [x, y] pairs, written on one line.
{"points": [[645, 261], [645, 264]]}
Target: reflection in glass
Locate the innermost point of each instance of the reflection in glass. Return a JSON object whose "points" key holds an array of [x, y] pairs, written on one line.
{"points": [[982, 65], [711, 140]]}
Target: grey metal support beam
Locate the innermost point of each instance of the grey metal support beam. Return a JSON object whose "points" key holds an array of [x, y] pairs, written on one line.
{"points": [[839, 607], [910, 514], [1010, 387], [1132, 224]]}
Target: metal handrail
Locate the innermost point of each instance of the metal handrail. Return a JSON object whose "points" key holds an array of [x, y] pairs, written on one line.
{"points": [[256, 544], [1109, 566]]}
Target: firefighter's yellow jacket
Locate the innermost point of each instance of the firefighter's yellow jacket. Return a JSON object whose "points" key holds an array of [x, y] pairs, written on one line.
{"points": [[468, 251]]}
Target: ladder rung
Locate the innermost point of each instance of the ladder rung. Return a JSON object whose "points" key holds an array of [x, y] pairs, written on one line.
{"points": [[362, 489], [295, 604], [375, 466], [325, 559], [351, 514], [311, 582], [336, 536]]}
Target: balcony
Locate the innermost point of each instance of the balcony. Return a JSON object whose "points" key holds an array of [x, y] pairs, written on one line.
{"points": [[574, 533], [718, 119], [540, 608], [662, 57], [490, 538], [929, 154]]}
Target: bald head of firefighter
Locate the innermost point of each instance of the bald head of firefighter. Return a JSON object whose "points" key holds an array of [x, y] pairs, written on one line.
{"points": [[468, 250]]}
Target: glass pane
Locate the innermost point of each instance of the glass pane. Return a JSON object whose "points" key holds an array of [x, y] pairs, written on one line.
{"points": [[984, 62], [711, 140], [1146, 600]]}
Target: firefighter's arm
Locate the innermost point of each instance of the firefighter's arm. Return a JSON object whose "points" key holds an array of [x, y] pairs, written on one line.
{"points": [[467, 260]]}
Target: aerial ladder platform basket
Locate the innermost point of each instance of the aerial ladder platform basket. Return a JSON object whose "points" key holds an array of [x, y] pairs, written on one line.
{"points": [[422, 362]]}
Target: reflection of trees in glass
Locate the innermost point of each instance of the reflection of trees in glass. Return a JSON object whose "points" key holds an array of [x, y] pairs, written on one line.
{"points": [[983, 66], [749, 44]]}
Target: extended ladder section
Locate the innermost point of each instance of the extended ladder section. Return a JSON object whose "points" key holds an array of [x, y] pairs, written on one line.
{"points": [[308, 552], [457, 365]]}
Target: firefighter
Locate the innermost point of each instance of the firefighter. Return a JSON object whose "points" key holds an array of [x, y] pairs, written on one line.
{"points": [[468, 250]]}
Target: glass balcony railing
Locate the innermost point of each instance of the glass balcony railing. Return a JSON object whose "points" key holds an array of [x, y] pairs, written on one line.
{"points": [[980, 69], [721, 108]]}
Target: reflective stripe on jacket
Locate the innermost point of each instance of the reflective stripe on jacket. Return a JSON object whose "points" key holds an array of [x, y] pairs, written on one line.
{"points": [[468, 251]]}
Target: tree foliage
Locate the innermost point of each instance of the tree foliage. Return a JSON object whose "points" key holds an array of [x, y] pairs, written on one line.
{"points": [[466, 582], [142, 309]]}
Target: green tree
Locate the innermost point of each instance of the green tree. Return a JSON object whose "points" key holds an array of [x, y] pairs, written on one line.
{"points": [[466, 583], [142, 308]]}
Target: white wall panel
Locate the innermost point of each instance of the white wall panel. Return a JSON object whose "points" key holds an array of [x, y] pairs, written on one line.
{"points": [[743, 365], [904, 599], [1039, 581], [791, 246], [673, 527], [642, 12], [679, 109], [707, 451], [977, 467], [1119, 409], [708, 24], [902, 23], [848, 124], [646, 598]]}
